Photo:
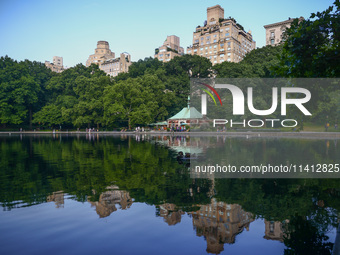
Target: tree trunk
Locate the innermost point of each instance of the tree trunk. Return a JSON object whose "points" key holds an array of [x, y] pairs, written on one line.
{"points": [[129, 124]]}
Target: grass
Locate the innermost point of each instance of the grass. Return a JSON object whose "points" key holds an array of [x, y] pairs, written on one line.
{"points": [[313, 127]]}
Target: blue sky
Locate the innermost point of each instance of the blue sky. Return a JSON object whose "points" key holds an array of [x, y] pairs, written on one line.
{"points": [[38, 30]]}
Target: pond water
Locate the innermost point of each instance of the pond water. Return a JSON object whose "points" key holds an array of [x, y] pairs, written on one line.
{"points": [[131, 195]]}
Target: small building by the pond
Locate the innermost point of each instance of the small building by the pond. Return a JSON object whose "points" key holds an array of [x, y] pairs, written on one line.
{"points": [[186, 116]]}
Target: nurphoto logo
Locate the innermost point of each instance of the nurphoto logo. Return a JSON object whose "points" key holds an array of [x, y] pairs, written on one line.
{"points": [[232, 98]]}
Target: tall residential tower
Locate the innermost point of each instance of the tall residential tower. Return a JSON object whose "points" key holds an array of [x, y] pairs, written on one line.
{"points": [[221, 39]]}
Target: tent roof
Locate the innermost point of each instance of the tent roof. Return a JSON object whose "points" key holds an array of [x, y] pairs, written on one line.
{"points": [[187, 113]]}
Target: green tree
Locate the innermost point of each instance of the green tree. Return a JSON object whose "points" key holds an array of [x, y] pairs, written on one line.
{"points": [[22, 90], [141, 100], [76, 98], [191, 66], [140, 67], [257, 63], [312, 46]]}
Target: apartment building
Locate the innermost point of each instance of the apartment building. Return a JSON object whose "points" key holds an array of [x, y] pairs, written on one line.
{"points": [[275, 31], [114, 66], [221, 39], [170, 49], [101, 53], [56, 65], [106, 60]]}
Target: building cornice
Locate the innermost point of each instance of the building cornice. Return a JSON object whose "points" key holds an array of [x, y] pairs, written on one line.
{"points": [[288, 21]]}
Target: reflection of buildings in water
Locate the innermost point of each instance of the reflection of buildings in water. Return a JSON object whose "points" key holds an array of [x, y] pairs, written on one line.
{"points": [[219, 223], [109, 199], [171, 215], [58, 198], [274, 230]]}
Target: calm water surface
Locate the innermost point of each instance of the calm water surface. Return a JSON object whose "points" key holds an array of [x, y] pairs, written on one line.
{"points": [[130, 195]]}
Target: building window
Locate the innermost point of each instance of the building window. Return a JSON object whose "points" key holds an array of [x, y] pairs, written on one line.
{"points": [[272, 34], [272, 41], [222, 44], [215, 41], [226, 34]]}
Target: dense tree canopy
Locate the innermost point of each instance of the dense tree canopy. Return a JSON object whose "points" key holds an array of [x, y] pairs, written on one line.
{"points": [[258, 63], [152, 90], [22, 90], [312, 46]]}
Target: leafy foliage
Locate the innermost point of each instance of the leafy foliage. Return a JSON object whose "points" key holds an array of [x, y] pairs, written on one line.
{"points": [[312, 46], [21, 90], [152, 90]]}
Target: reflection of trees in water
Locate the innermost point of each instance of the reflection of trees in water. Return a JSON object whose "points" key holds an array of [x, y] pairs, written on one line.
{"points": [[300, 212], [34, 169], [305, 236]]}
